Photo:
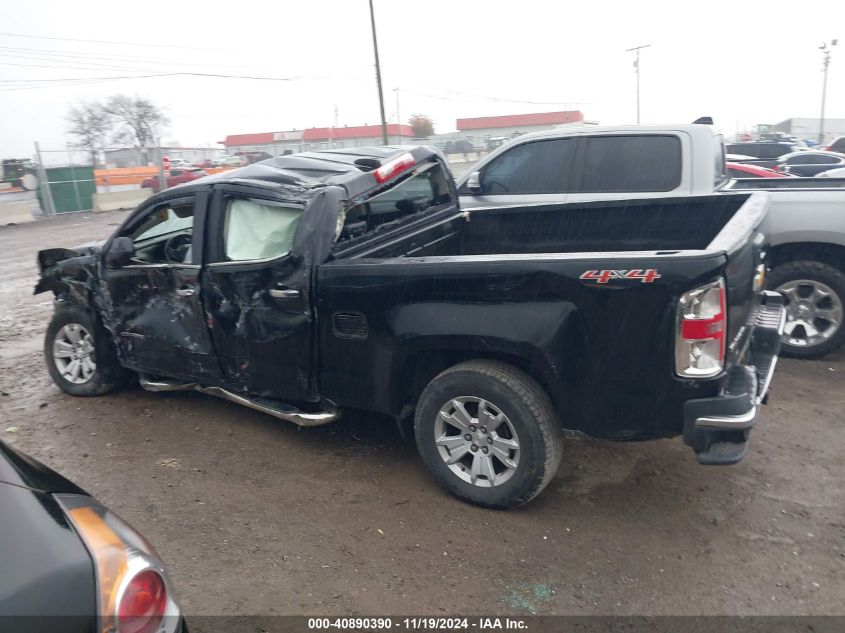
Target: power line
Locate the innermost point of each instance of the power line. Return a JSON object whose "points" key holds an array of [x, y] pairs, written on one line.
{"points": [[87, 41], [257, 78], [63, 61], [87, 55], [90, 80], [470, 95], [78, 81], [177, 73], [56, 85], [87, 66], [63, 79]]}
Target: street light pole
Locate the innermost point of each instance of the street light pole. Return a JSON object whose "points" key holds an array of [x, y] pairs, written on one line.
{"points": [[378, 77], [826, 52], [637, 49]]}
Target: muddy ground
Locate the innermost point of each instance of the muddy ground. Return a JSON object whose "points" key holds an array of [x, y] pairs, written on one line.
{"points": [[255, 516]]}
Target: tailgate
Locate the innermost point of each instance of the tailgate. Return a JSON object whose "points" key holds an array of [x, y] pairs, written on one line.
{"points": [[745, 244]]}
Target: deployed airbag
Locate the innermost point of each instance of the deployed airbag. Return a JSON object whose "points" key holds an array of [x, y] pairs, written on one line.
{"points": [[259, 229]]}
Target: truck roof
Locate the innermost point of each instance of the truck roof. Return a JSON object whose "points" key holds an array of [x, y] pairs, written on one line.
{"points": [[693, 129], [343, 166]]}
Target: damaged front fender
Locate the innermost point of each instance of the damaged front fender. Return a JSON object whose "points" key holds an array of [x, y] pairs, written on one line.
{"points": [[65, 271]]}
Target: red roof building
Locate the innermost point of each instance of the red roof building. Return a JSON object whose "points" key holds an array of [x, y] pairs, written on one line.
{"points": [[277, 143], [260, 138], [369, 132]]}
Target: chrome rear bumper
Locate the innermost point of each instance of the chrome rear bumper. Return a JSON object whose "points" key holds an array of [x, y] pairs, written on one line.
{"points": [[718, 428]]}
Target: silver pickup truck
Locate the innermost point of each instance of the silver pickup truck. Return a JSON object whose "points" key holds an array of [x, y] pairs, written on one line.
{"points": [[806, 221]]}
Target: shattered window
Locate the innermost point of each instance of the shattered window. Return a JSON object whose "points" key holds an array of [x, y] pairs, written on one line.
{"points": [[165, 236], [259, 229], [427, 189]]}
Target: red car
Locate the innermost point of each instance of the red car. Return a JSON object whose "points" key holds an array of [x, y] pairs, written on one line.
{"points": [[176, 177], [741, 170]]}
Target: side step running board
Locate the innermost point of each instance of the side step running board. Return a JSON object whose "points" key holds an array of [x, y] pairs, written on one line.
{"points": [[276, 409]]}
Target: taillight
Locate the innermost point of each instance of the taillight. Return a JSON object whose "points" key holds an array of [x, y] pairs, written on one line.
{"points": [[393, 168], [777, 168], [702, 321], [133, 594], [143, 604]]}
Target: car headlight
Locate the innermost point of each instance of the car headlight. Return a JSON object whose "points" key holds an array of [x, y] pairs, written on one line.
{"points": [[134, 593]]}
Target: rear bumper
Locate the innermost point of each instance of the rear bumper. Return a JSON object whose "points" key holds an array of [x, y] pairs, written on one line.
{"points": [[717, 428]]}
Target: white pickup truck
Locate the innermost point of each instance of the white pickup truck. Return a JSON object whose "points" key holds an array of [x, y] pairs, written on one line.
{"points": [[806, 222]]}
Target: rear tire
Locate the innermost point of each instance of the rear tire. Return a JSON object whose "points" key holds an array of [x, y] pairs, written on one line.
{"points": [[80, 355], [798, 281], [505, 465]]}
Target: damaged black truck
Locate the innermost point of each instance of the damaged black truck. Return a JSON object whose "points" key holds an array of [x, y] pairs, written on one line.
{"points": [[351, 279]]}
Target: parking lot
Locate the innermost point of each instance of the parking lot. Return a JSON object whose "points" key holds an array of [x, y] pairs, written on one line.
{"points": [[256, 516]]}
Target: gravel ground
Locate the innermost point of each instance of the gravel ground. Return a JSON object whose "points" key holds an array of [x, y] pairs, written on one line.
{"points": [[255, 516]]}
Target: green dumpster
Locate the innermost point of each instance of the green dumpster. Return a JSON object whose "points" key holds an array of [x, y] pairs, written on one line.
{"points": [[72, 188]]}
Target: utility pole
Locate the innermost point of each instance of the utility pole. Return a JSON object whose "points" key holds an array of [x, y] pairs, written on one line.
{"points": [[378, 76], [398, 116], [637, 50], [826, 53]]}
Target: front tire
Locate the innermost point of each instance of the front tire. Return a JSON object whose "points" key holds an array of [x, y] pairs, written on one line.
{"points": [[815, 296], [80, 355], [488, 433]]}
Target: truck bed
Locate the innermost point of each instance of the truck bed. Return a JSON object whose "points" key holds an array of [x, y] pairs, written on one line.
{"points": [[666, 225], [525, 285]]}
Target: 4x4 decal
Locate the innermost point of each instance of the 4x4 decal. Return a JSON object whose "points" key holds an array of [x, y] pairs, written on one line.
{"points": [[603, 276]]}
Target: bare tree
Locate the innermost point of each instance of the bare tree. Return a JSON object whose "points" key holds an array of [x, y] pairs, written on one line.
{"points": [[88, 124], [138, 120], [422, 125]]}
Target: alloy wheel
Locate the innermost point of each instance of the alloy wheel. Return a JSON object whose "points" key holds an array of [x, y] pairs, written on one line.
{"points": [[74, 353], [813, 312], [477, 441]]}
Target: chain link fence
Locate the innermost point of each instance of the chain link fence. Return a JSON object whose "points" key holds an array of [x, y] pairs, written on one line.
{"points": [[72, 180], [67, 180]]}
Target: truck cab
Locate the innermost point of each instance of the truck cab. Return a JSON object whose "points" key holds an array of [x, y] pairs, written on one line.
{"points": [[585, 163]]}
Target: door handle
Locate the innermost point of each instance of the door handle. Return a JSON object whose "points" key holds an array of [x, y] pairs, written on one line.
{"points": [[284, 293], [186, 292]]}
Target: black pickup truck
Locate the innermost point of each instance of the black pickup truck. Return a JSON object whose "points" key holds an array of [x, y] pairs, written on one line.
{"points": [[351, 279]]}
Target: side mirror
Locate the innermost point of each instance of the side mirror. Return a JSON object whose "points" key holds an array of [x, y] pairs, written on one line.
{"points": [[474, 182], [120, 252]]}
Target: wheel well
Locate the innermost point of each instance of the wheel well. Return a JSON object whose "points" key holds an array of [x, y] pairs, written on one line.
{"points": [[831, 254], [421, 368], [68, 302]]}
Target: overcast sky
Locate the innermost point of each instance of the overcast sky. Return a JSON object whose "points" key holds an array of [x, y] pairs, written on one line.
{"points": [[740, 62]]}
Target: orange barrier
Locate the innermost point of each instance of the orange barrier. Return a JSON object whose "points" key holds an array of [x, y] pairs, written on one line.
{"points": [[124, 175], [135, 175]]}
